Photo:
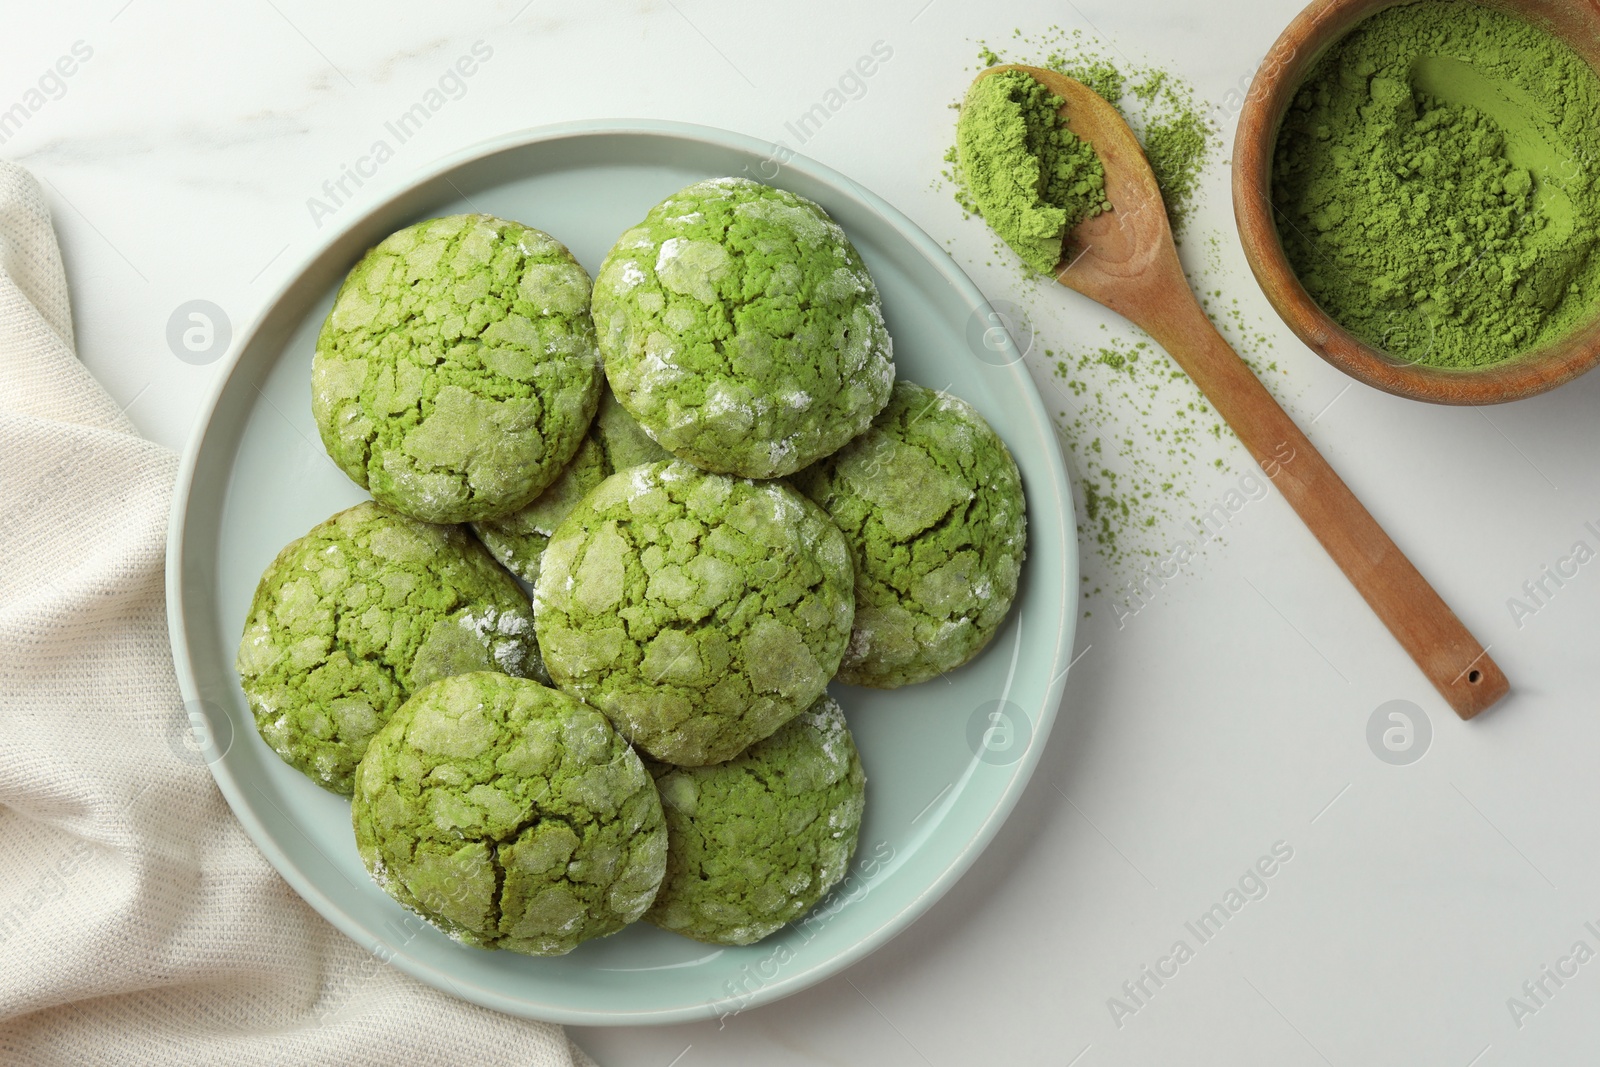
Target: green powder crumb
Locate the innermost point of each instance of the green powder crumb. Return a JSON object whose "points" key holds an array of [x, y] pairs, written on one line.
{"points": [[1100, 75], [1176, 147], [1138, 432], [1434, 184], [1023, 171]]}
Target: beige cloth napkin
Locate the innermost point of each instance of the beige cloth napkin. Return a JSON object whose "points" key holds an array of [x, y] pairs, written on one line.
{"points": [[138, 924]]}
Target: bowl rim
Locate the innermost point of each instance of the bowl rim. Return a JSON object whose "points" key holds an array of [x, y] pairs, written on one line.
{"points": [[1316, 28]]}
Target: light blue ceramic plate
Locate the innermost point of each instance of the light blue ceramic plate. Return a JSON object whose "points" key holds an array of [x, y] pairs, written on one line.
{"points": [[945, 760]]}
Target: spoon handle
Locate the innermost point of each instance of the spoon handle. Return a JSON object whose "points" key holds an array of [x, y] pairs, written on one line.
{"points": [[1453, 660]]}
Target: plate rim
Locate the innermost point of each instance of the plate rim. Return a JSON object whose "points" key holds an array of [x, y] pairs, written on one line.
{"points": [[232, 788]]}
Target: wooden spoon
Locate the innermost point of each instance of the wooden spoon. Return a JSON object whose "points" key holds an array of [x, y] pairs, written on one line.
{"points": [[1125, 259]]}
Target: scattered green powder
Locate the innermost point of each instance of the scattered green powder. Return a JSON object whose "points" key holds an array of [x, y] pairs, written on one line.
{"points": [[1100, 75], [1434, 182], [1176, 148], [1029, 177], [1126, 465], [1145, 446]]}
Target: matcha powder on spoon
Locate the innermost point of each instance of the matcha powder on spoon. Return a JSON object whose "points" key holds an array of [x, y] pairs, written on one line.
{"points": [[1029, 177]]}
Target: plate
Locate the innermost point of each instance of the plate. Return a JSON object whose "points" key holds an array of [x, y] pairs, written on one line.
{"points": [[945, 760]]}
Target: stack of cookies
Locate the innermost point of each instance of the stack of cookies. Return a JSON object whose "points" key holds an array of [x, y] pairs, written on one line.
{"points": [[721, 500]]}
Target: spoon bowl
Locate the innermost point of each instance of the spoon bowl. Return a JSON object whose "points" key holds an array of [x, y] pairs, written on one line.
{"points": [[1109, 256]]}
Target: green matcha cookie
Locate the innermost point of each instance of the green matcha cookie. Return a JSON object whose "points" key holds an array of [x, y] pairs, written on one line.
{"points": [[741, 328], [509, 815], [359, 613], [931, 504], [699, 612], [754, 842], [457, 372], [615, 442]]}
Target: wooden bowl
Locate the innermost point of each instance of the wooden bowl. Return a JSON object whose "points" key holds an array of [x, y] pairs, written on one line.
{"points": [[1284, 68]]}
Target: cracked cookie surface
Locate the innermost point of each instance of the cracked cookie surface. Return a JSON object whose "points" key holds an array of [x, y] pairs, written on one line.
{"points": [[457, 372], [614, 443], [754, 843], [741, 328], [509, 815], [700, 612], [931, 504], [349, 620]]}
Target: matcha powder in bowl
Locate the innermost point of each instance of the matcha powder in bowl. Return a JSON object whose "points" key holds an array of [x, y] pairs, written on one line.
{"points": [[1029, 176], [1434, 188]]}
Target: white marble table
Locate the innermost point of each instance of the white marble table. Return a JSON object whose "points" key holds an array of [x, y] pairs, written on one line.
{"points": [[197, 151]]}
